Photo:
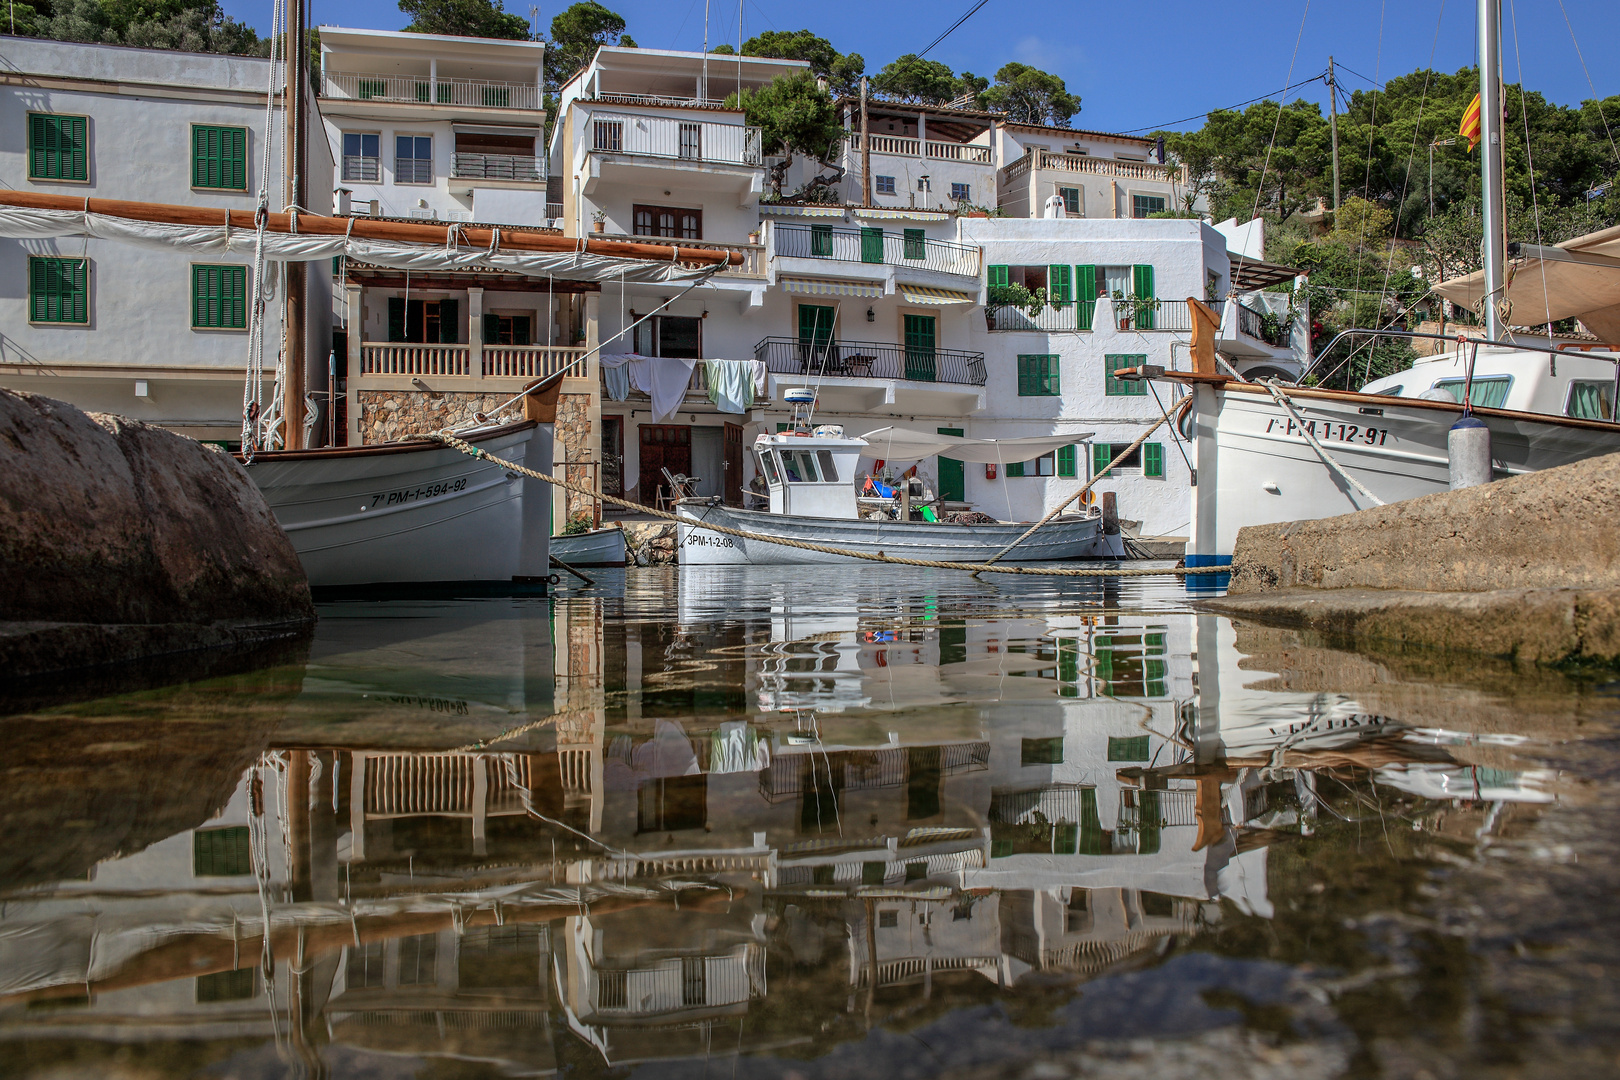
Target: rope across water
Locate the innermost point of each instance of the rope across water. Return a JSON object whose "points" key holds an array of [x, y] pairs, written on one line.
{"points": [[827, 549]]}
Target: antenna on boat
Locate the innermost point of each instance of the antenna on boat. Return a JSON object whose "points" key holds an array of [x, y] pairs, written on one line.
{"points": [[1490, 133]]}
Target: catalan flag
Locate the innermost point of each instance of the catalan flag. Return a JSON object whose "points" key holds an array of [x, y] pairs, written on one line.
{"points": [[1469, 129]]}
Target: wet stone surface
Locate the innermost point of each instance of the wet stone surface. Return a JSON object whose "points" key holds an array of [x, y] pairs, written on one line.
{"points": [[801, 824]]}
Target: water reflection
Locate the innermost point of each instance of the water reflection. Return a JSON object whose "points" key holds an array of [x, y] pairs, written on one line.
{"points": [[765, 825]]}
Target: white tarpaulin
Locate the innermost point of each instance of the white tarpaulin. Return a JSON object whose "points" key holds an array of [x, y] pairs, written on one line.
{"points": [[21, 223], [902, 444], [1542, 290]]}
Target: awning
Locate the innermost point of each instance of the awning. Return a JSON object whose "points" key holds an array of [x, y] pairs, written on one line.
{"points": [[921, 294], [793, 210], [823, 287], [1249, 275], [903, 444], [879, 214], [1579, 278]]}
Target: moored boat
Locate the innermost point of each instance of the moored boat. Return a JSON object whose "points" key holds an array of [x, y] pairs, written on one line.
{"points": [[597, 547]]}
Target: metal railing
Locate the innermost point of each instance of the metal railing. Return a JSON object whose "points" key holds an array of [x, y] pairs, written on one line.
{"points": [[939, 150], [870, 360], [554, 210], [495, 166], [398, 358], [1159, 315], [1252, 323], [366, 170], [1097, 166], [872, 245], [681, 140], [424, 90], [684, 982], [533, 361], [659, 99]]}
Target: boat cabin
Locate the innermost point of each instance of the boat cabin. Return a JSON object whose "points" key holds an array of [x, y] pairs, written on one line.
{"points": [[1571, 383], [810, 475]]}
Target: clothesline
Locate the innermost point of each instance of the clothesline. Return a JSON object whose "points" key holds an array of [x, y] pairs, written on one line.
{"points": [[733, 385]]}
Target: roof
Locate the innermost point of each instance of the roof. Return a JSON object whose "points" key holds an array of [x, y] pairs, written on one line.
{"points": [[873, 103], [1047, 129], [340, 35], [1250, 274]]}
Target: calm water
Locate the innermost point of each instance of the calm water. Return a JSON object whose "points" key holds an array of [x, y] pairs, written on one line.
{"points": [[820, 823]]}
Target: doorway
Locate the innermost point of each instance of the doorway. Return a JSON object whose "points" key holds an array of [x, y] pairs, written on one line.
{"points": [[663, 446], [613, 455], [731, 493], [952, 476]]}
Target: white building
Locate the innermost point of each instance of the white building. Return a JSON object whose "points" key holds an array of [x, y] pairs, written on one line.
{"points": [[154, 334]]}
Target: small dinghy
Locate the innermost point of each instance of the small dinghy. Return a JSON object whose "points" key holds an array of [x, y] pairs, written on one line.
{"points": [[597, 547]]}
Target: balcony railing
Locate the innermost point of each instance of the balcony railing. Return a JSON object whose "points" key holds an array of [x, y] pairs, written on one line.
{"points": [[1157, 315], [422, 90], [753, 264], [500, 361], [938, 150], [1252, 323], [683, 982], [660, 99], [870, 360], [495, 167], [554, 210], [1085, 163], [532, 361], [873, 246], [680, 140]]}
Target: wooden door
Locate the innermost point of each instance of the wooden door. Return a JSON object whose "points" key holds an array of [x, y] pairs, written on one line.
{"points": [[663, 446], [952, 476], [731, 490], [613, 455]]}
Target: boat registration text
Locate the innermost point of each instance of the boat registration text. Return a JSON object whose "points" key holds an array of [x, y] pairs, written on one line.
{"points": [[703, 539], [1369, 436], [426, 491]]}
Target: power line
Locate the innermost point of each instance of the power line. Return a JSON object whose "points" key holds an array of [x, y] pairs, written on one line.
{"points": [[1228, 108], [952, 27], [1375, 83]]}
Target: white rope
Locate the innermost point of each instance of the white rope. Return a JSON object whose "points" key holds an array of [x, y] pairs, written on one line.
{"points": [[1321, 451]]}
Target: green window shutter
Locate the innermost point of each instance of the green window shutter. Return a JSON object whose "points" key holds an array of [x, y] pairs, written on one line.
{"points": [[1152, 459], [1142, 288], [821, 241], [218, 157], [1128, 748], [221, 852], [871, 245], [998, 275], [396, 318], [492, 329], [1101, 454], [1051, 380], [1085, 295], [1016, 468], [815, 324], [916, 244], [1025, 381], [919, 332], [219, 297], [872, 873], [57, 147], [1060, 284], [58, 290], [1066, 465], [1113, 387], [447, 322], [1037, 376]]}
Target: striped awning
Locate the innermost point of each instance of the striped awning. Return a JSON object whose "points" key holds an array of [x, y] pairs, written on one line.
{"points": [[778, 210], [878, 214], [921, 294], [823, 287]]}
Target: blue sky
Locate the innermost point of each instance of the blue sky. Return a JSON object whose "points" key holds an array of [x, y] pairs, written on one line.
{"points": [[1137, 65]]}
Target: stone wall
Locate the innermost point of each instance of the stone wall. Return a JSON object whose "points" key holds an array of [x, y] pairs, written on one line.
{"points": [[399, 414], [573, 444]]}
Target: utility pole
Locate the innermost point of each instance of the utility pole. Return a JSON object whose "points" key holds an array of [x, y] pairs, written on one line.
{"points": [[1333, 126], [297, 273], [866, 152]]}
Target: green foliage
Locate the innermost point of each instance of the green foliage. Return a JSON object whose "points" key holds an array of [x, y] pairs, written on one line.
{"points": [[913, 80], [191, 25], [1015, 296], [576, 33], [795, 116], [842, 71], [1029, 95], [1228, 155], [463, 18], [578, 522]]}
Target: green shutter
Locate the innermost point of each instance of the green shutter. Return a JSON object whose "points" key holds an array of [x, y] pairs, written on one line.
{"points": [[998, 275], [1113, 387], [815, 325], [396, 318], [916, 244], [57, 147], [1015, 468], [57, 290], [920, 347], [1128, 748], [1065, 461], [1038, 376], [821, 241], [219, 297], [1059, 284], [221, 852], [219, 157], [1152, 459], [1142, 281], [447, 322], [1085, 295], [871, 245], [1101, 454]]}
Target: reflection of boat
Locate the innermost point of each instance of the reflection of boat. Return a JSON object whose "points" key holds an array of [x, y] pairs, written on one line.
{"points": [[598, 547], [811, 479]]}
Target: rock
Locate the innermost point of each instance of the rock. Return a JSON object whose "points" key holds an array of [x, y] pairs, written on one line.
{"points": [[120, 540]]}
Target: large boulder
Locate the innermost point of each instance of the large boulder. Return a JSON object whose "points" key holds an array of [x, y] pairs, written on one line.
{"points": [[119, 540]]}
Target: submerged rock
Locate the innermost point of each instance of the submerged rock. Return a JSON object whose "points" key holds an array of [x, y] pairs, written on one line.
{"points": [[120, 540]]}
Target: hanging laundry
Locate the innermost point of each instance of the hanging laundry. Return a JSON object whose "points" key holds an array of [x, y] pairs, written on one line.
{"points": [[736, 747], [616, 381], [731, 384], [663, 378]]}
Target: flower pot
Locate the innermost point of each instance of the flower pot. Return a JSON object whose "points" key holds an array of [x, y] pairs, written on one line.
{"points": [[598, 226], [753, 238]]}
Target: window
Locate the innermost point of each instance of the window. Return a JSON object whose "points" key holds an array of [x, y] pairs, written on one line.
{"points": [[1149, 457], [883, 185], [58, 147], [58, 290], [1042, 751], [1587, 400], [768, 461], [671, 221], [612, 989], [219, 297], [996, 275], [609, 135], [418, 960], [920, 337], [1071, 199], [916, 244], [1128, 748], [500, 957], [888, 920], [1113, 387], [1115, 280], [219, 157], [1037, 376], [508, 329], [1484, 393], [961, 192], [362, 157], [1066, 463], [1143, 205], [413, 159], [873, 873], [1045, 465], [821, 241], [670, 335], [829, 471], [220, 852], [424, 321], [692, 141]]}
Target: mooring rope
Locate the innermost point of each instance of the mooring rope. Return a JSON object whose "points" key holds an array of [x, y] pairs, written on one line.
{"points": [[803, 545], [1310, 437]]}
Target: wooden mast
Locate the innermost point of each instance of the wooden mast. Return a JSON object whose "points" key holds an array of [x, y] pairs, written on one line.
{"points": [[297, 273]]}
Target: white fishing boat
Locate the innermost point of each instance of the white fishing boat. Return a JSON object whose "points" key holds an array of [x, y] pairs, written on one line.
{"points": [[597, 547], [811, 477]]}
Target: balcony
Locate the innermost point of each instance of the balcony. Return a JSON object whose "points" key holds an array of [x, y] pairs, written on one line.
{"points": [[1253, 333], [931, 149], [870, 360], [518, 362], [1038, 159], [873, 246], [1166, 316], [660, 99], [696, 141], [423, 90], [495, 167]]}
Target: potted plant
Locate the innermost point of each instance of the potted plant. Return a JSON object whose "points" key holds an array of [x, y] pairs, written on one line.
{"points": [[599, 220], [753, 236], [1135, 312], [1012, 296]]}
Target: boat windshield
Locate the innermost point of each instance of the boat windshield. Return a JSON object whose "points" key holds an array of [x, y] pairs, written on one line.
{"points": [[768, 460], [829, 471], [800, 467]]}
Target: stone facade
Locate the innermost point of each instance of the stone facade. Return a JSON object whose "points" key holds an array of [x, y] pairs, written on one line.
{"points": [[573, 442], [399, 414]]}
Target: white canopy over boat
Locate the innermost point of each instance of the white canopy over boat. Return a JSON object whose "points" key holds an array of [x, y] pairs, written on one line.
{"points": [[903, 444], [1579, 278]]}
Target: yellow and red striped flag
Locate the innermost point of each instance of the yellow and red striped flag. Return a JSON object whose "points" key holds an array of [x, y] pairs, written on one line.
{"points": [[1469, 128]]}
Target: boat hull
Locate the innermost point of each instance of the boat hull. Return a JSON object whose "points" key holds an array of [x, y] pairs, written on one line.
{"points": [[1255, 466], [1063, 538], [415, 514], [599, 547]]}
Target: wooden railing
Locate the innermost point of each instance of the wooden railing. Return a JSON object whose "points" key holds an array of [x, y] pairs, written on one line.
{"points": [[1097, 166], [533, 361], [932, 148], [397, 358]]}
